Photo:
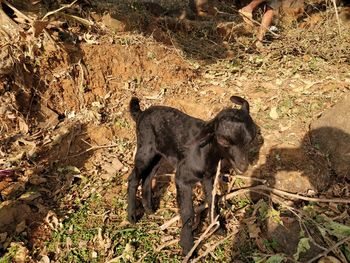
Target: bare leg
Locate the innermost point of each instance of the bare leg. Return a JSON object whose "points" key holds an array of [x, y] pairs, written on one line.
{"points": [[247, 11], [266, 23], [253, 4]]}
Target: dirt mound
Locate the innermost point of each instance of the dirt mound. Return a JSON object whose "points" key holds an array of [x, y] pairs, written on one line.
{"points": [[67, 140], [330, 134]]}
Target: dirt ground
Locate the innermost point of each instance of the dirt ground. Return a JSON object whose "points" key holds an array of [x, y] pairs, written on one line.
{"points": [[67, 140]]}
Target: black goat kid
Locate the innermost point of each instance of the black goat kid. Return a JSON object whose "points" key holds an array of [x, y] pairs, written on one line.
{"points": [[193, 146]]}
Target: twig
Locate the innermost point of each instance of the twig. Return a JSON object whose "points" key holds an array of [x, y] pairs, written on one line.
{"points": [[215, 224], [336, 245], [81, 20], [59, 9], [251, 178], [19, 13], [158, 249], [94, 148], [212, 247], [169, 243], [337, 16], [259, 188], [213, 193], [291, 195], [252, 20]]}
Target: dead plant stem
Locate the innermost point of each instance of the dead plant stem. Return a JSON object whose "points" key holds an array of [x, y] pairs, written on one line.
{"points": [[336, 245]]}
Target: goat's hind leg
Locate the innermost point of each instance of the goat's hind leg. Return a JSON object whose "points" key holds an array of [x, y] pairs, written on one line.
{"points": [[144, 160], [147, 186]]}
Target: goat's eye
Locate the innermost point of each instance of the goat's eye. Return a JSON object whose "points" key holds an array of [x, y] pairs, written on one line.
{"points": [[223, 141]]}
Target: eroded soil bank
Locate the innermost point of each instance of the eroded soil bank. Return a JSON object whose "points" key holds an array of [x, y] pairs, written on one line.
{"points": [[67, 139]]}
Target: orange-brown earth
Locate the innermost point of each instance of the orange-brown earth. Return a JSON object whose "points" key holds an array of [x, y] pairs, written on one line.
{"points": [[72, 113]]}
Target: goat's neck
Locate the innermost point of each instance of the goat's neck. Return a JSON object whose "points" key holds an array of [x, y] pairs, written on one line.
{"points": [[211, 152]]}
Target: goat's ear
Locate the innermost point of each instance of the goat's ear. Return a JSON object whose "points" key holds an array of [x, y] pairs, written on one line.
{"points": [[242, 102]]}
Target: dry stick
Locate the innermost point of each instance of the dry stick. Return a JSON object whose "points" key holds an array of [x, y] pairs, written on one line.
{"points": [[59, 9], [19, 13], [95, 148], [295, 196], [258, 189], [213, 193], [252, 20], [250, 178], [200, 208], [212, 247], [337, 16], [214, 225], [329, 250], [169, 243], [158, 249]]}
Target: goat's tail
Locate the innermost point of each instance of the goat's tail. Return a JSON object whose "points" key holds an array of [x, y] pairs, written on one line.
{"points": [[134, 108]]}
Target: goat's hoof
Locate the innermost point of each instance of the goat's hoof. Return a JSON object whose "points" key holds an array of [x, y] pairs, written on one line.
{"points": [[133, 218], [186, 251], [149, 211]]}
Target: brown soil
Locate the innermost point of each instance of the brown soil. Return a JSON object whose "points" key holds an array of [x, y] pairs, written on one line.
{"points": [[78, 98]]}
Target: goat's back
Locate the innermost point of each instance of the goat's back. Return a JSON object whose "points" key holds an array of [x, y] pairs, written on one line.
{"points": [[169, 128]]}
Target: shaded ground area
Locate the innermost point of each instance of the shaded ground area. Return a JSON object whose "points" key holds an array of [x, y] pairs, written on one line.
{"points": [[67, 140]]}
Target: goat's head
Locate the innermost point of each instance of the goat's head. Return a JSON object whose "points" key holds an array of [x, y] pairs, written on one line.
{"points": [[232, 130]]}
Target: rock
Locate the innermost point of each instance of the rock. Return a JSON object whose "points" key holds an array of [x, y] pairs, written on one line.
{"points": [[287, 237], [113, 23], [12, 213], [331, 135], [291, 169], [47, 117], [329, 259], [44, 259], [111, 169]]}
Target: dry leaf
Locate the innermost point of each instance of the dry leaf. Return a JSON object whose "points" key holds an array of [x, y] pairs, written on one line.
{"points": [[38, 26]]}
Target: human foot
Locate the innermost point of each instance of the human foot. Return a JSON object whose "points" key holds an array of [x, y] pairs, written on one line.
{"points": [[247, 16]]}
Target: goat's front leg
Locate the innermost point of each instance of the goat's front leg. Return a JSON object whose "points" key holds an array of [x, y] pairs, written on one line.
{"points": [[208, 184], [184, 199]]}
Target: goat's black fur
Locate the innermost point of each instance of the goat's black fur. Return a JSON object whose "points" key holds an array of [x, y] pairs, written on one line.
{"points": [[193, 146]]}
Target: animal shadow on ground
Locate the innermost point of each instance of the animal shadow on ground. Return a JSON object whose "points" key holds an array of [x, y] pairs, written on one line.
{"points": [[320, 165]]}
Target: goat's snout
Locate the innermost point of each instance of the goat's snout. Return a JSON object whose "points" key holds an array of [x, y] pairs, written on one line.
{"points": [[239, 159], [240, 166]]}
